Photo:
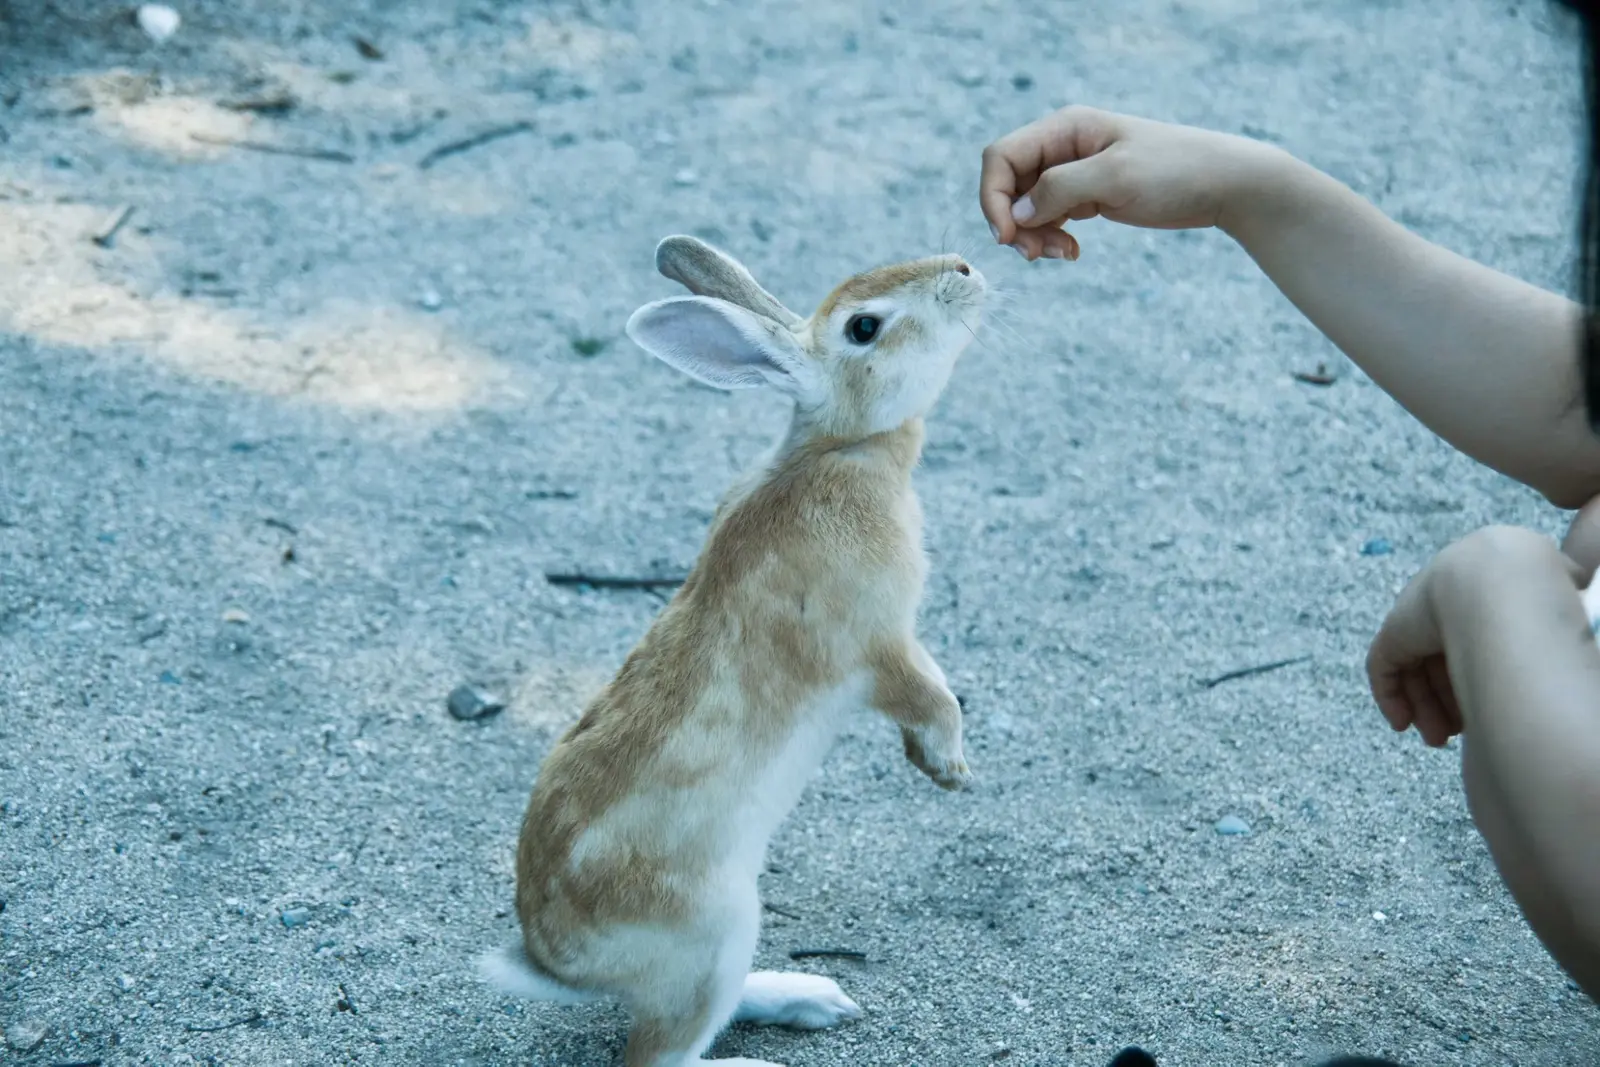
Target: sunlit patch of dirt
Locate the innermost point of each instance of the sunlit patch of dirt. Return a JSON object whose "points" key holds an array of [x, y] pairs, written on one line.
{"points": [[344, 353]]}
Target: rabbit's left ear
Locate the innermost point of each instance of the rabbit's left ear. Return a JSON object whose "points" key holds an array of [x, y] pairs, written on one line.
{"points": [[707, 271], [721, 345]]}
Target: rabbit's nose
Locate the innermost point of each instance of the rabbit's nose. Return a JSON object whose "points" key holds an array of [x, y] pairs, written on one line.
{"points": [[962, 268]]}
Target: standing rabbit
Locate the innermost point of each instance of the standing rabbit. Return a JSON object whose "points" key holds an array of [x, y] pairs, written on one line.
{"points": [[650, 820]]}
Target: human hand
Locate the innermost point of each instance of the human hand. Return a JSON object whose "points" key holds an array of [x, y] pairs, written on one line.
{"points": [[1582, 543], [1080, 163], [1494, 578], [1406, 666]]}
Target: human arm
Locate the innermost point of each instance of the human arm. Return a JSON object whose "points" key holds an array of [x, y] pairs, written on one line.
{"points": [[1491, 640], [1488, 362]]}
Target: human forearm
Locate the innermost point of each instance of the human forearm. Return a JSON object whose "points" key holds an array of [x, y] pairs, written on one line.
{"points": [[1487, 362]]}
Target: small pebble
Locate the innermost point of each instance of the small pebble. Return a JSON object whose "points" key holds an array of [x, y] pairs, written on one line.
{"points": [[430, 300], [969, 79], [468, 702], [237, 615], [158, 21], [1232, 826], [27, 1035], [168, 678], [685, 177], [293, 917], [1379, 917], [1378, 546], [1022, 83]]}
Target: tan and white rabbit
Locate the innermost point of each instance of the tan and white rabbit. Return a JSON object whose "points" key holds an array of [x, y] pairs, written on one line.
{"points": [[650, 820]]}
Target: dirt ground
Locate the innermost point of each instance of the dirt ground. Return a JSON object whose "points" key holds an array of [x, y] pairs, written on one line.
{"points": [[288, 457]]}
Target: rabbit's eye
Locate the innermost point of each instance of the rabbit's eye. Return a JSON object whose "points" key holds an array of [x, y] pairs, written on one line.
{"points": [[862, 329]]}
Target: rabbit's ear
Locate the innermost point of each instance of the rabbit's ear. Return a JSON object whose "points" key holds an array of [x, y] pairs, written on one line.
{"points": [[720, 344], [705, 271]]}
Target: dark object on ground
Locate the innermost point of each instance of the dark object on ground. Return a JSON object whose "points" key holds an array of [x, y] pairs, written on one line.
{"points": [[1250, 672], [827, 953], [454, 147], [468, 702], [601, 581], [1133, 1056]]}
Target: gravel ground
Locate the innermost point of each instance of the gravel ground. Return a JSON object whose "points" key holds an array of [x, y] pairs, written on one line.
{"points": [[287, 459]]}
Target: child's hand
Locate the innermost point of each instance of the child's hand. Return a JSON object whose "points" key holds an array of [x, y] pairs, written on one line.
{"points": [[1488, 584], [1080, 163], [1582, 543], [1406, 665]]}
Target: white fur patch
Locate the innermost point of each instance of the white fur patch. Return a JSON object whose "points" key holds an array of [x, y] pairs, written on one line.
{"points": [[803, 1001]]}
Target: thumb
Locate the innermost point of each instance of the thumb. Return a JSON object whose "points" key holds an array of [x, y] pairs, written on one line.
{"points": [[1072, 190]]}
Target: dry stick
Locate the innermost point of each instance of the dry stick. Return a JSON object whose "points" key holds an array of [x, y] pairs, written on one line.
{"points": [[1246, 672], [248, 1020], [108, 233], [779, 911], [466, 143], [603, 581], [326, 154], [831, 953], [1319, 377]]}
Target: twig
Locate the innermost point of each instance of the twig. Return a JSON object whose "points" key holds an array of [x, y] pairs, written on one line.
{"points": [[345, 1002], [328, 155], [279, 524], [272, 104], [108, 233], [249, 1020], [77, 1063], [779, 911], [1246, 672], [831, 953], [466, 143], [605, 581], [1318, 377]]}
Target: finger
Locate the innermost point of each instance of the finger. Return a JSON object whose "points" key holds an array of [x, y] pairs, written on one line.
{"points": [[997, 189], [1080, 187], [1049, 243], [1012, 164], [1389, 692], [1439, 677], [1430, 717], [1582, 543]]}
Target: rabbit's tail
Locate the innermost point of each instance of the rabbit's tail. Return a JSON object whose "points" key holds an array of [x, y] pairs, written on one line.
{"points": [[510, 970]]}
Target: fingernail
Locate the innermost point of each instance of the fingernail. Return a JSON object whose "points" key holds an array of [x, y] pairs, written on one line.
{"points": [[1053, 252], [1022, 210], [1021, 251], [994, 230]]}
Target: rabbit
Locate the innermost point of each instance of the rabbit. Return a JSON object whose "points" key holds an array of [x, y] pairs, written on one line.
{"points": [[640, 847]]}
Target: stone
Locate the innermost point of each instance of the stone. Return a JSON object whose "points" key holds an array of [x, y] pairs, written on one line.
{"points": [[468, 702]]}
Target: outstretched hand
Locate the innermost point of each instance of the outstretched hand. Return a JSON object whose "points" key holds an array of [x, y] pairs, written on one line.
{"points": [[1080, 163]]}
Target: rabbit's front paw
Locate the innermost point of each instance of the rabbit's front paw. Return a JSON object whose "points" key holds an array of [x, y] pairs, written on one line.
{"points": [[936, 757]]}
